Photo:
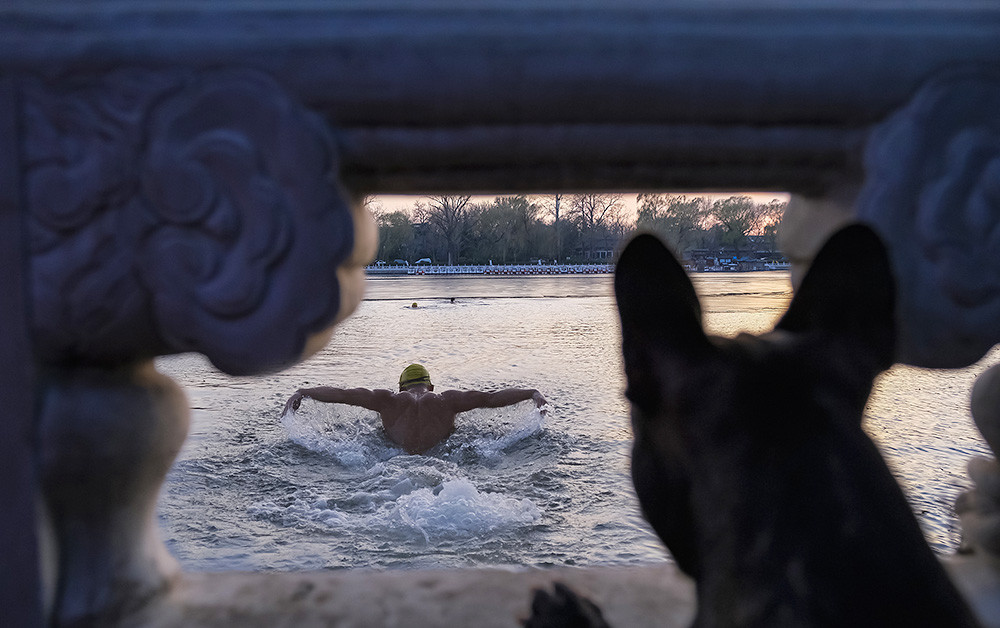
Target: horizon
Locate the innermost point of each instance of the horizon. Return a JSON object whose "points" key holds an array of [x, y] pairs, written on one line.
{"points": [[405, 202]]}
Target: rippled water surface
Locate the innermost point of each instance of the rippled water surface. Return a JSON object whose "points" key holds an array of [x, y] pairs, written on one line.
{"points": [[323, 488]]}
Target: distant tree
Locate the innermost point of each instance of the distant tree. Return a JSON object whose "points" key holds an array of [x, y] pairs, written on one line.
{"points": [[395, 235], [736, 218], [522, 215], [678, 219], [374, 205], [771, 215], [554, 206], [618, 226], [447, 216], [506, 230], [571, 238], [649, 210], [600, 217], [488, 235]]}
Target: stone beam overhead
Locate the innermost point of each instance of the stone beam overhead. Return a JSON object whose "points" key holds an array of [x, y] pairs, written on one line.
{"points": [[539, 95]]}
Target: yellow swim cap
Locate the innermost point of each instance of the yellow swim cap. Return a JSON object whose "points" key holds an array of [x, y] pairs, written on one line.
{"points": [[412, 375]]}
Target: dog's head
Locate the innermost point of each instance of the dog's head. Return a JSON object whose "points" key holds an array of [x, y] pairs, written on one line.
{"points": [[714, 418]]}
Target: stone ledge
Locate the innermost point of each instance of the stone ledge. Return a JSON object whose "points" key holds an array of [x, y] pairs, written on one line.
{"points": [[977, 577], [649, 595]]}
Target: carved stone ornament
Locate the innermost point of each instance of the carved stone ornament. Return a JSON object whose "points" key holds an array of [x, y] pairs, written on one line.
{"points": [[174, 211], [932, 190]]}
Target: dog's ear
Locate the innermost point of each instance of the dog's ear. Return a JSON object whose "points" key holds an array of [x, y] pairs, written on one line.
{"points": [[849, 291], [660, 315]]}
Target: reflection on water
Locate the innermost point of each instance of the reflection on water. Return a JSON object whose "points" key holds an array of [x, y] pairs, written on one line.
{"points": [[322, 488]]}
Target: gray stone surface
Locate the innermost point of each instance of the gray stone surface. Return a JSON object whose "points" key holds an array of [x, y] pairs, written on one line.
{"points": [[653, 595]]}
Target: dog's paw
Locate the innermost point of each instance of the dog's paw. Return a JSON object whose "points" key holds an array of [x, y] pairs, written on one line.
{"points": [[563, 608]]}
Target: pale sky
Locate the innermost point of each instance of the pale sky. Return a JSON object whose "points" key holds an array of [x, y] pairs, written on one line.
{"points": [[394, 202]]}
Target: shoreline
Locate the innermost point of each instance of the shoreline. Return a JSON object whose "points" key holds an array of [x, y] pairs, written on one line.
{"points": [[539, 269]]}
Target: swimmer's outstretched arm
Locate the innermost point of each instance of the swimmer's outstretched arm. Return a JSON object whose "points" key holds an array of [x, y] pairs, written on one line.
{"points": [[465, 400], [370, 399]]}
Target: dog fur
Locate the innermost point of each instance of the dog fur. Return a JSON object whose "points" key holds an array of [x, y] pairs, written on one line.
{"points": [[749, 458]]}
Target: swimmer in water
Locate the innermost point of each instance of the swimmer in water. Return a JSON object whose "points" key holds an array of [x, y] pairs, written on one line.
{"points": [[416, 418]]}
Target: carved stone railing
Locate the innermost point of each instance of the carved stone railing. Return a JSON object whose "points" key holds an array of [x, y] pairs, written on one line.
{"points": [[178, 176]]}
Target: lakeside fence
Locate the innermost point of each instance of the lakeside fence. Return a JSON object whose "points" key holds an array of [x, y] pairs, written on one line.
{"points": [[494, 269], [539, 269]]}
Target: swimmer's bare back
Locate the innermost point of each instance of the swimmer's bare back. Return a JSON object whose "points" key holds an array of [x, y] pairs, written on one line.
{"points": [[417, 419]]}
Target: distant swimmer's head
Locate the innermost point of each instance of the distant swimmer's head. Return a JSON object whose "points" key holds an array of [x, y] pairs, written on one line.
{"points": [[415, 375]]}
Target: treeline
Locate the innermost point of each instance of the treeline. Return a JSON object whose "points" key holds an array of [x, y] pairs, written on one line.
{"points": [[570, 228]]}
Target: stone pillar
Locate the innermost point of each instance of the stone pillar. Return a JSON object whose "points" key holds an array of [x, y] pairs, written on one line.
{"points": [[166, 211], [979, 509], [977, 568], [107, 439]]}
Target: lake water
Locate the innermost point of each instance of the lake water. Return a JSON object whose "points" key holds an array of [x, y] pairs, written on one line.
{"points": [[322, 488]]}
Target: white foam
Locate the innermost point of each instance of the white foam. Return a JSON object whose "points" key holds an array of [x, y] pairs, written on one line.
{"points": [[423, 498], [348, 434], [457, 509], [523, 426], [487, 434], [451, 509]]}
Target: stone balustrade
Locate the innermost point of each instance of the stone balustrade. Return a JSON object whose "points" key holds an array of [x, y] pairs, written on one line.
{"points": [[175, 174]]}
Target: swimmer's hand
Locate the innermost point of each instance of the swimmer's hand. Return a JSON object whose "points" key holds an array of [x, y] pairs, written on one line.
{"points": [[293, 402], [539, 400]]}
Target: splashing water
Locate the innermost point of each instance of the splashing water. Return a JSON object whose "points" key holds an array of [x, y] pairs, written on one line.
{"points": [[457, 508], [349, 435], [353, 436], [394, 495]]}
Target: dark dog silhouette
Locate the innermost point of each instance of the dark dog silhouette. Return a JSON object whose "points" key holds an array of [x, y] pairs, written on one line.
{"points": [[749, 458]]}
